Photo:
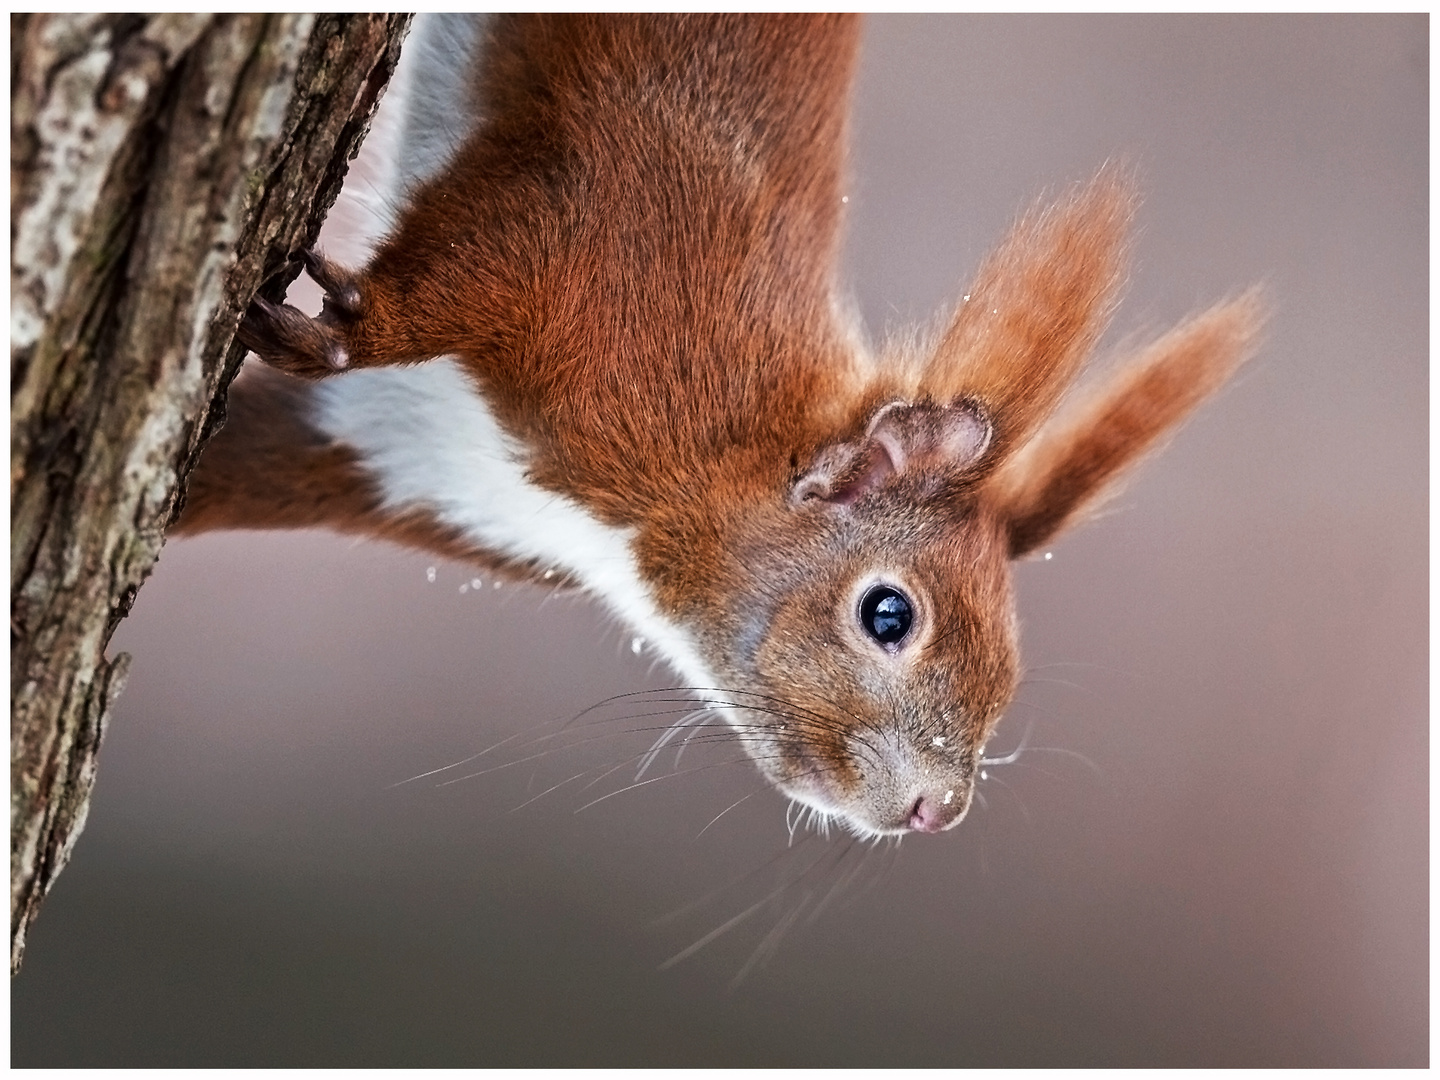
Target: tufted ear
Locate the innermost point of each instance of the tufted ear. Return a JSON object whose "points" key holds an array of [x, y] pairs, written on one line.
{"points": [[1071, 464], [1035, 310], [900, 438]]}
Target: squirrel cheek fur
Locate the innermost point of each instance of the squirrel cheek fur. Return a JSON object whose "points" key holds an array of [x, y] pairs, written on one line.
{"points": [[616, 305]]}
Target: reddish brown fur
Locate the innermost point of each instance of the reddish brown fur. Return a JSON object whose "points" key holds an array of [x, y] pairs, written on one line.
{"points": [[1035, 310], [1067, 469]]}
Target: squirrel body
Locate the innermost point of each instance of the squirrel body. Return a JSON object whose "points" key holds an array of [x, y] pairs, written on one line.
{"points": [[601, 343]]}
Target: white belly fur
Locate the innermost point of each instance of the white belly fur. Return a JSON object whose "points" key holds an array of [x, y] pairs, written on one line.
{"points": [[430, 440]]}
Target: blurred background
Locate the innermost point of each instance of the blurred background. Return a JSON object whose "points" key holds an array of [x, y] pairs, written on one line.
{"points": [[1213, 850]]}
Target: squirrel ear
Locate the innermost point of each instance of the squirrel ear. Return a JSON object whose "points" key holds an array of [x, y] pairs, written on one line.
{"points": [[1072, 463], [901, 438], [1036, 309]]}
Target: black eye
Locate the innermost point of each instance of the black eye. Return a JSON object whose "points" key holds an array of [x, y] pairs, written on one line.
{"points": [[885, 614]]}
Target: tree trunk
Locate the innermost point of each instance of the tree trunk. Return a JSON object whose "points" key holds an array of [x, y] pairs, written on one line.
{"points": [[161, 168]]}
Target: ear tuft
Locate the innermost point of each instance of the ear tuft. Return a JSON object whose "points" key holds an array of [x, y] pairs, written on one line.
{"points": [[901, 439], [1036, 308], [1072, 464]]}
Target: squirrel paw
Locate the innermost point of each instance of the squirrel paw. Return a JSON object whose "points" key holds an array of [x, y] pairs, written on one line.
{"points": [[295, 343]]}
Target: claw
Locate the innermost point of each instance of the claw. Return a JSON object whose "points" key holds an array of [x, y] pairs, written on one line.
{"points": [[342, 293]]}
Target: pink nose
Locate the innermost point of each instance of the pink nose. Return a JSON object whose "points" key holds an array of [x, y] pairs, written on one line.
{"points": [[933, 813]]}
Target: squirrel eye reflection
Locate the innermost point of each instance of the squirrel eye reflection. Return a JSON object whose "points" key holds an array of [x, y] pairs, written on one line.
{"points": [[886, 615]]}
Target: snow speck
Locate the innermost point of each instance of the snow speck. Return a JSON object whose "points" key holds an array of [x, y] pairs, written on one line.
{"points": [[844, 198], [464, 586], [498, 584], [984, 775], [1049, 555], [430, 574], [938, 740], [636, 644], [949, 795], [549, 574]]}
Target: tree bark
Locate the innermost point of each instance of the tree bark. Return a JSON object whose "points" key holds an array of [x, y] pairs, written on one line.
{"points": [[162, 167]]}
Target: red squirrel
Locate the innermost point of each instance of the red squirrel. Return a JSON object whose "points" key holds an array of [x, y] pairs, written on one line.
{"points": [[603, 345]]}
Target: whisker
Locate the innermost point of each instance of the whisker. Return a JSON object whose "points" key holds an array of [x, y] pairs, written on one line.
{"points": [[787, 709], [1090, 665], [828, 860], [735, 920], [1096, 769], [1024, 810], [770, 942], [456, 764], [685, 742], [722, 813], [729, 924], [526, 758], [665, 737], [1030, 680], [1014, 755], [547, 791], [656, 780], [842, 883], [685, 909], [726, 732]]}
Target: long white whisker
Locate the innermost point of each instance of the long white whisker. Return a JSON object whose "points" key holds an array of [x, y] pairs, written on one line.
{"points": [[685, 742], [1014, 755], [731, 923], [722, 813], [770, 942], [722, 928], [656, 780], [547, 791], [841, 883], [457, 764], [664, 738], [1099, 772]]}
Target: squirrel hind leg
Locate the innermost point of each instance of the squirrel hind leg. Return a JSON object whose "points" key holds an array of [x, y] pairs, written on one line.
{"points": [[269, 468]]}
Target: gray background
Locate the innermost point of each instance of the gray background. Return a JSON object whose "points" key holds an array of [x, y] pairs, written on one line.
{"points": [[1215, 853]]}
